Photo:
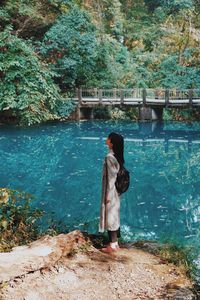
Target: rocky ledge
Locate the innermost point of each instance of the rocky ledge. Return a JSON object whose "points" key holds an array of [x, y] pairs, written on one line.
{"points": [[69, 267]]}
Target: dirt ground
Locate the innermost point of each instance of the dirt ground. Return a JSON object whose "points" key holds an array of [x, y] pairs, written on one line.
{"points": [[129, 274]]}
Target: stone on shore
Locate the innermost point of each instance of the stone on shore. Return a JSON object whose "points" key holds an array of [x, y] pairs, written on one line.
{"points": [[40, 254]]}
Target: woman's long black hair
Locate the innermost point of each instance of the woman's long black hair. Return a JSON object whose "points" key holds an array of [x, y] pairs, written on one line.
{"points": [[118, 147]]}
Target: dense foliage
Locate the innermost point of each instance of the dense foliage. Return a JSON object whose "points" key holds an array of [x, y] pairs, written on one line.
{"points": [[18, 220], [21, 222], [27, 90], [69, 48], [49, 47]]}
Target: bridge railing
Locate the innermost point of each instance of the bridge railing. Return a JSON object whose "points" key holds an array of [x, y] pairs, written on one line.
{"points": [[196, 96], [138, 96], [131, 95], [90, 94], [180, 96], [111, 95], [156, 95]]}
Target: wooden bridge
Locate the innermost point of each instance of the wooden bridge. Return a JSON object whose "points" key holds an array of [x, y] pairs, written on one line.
{"points": [[150, 102], [138, 97]]}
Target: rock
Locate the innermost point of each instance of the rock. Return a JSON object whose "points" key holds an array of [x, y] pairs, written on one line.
{"points": [[44, 270], [40, 254], [181, 293]]}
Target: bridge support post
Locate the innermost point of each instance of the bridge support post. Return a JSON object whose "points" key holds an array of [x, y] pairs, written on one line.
{"points": [[150, 114], [144, 113], [78, 109], [144, 96], [157, 113], [78, 113], [190, 97], [86, 113], [121, 97], [167, 95], [100, 96]]}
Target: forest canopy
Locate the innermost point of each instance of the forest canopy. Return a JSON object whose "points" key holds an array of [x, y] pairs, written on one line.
{"points": [[49, 47]]}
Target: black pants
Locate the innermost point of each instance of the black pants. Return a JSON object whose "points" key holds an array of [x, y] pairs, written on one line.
{"points": [[113, 235]]}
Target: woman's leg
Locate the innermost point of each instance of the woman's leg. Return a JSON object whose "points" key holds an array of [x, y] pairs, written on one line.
{"points": [[113, 238], [112, 235], [118, 233]]}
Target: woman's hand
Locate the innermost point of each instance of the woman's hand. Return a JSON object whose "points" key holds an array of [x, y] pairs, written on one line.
{"points": [[107, 201]]}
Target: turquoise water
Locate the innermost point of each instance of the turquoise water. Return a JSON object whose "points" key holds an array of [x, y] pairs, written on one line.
{"points": [[61, 165]]}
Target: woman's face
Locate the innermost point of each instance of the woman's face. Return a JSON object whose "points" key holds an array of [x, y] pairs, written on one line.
{"points": [[108, 143]]}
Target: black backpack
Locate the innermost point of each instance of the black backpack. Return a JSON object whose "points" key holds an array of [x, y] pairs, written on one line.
{"points": [[123, 180]]}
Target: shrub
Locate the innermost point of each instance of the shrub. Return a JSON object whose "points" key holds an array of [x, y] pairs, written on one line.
{"points": [[18, 219], [118, 114]]}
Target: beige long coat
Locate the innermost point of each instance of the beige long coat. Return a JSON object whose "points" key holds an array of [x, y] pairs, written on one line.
{"points": [[110, 212]]}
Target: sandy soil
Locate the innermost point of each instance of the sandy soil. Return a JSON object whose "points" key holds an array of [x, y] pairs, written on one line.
{"points": [[130, 274]]}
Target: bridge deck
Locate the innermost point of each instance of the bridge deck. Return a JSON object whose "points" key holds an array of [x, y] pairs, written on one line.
{"points": [[138, 97]]}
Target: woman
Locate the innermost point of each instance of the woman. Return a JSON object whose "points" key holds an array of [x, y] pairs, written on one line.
{"points": [[110, 202]]}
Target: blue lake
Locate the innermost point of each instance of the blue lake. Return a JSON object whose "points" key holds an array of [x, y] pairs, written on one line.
{"points": [[61, 165]]}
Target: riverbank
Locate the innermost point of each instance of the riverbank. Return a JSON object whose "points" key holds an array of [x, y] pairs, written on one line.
{"points": [[70, 266]]}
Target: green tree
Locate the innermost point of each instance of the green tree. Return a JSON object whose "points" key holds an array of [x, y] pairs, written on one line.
{"points": [[120, 43], [113, 64], [113, 18], [27, 90], [107, 16], [69, 47], [170, 74], [170, 6], [31, 19]]}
